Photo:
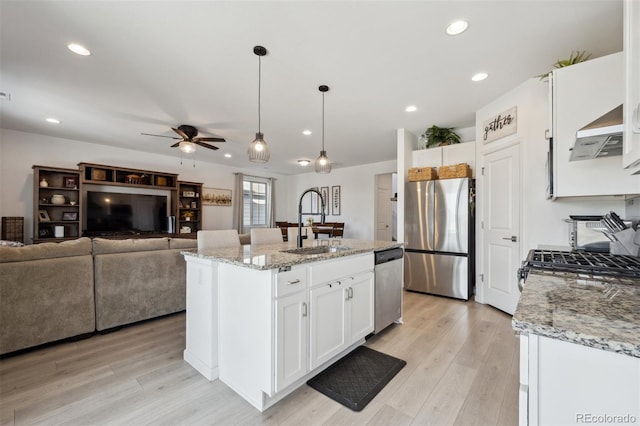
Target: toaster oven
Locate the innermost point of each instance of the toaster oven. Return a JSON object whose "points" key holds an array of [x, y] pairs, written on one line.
{"points": [[586, 233]]}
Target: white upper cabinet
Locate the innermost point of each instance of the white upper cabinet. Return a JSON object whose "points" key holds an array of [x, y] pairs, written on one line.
{"points": [[446, 156], [581, 94], [631, 144]]}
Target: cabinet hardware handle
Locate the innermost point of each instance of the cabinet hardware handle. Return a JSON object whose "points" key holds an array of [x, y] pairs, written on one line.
{"points": [[294, 281], [346, 292], [350, 292], [304, 309]]}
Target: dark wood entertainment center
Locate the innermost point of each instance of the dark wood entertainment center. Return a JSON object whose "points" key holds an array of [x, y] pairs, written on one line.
{"points": [[59, 195]]}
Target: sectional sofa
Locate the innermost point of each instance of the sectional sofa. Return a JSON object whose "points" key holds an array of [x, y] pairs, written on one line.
{"points": [[54, 291]]}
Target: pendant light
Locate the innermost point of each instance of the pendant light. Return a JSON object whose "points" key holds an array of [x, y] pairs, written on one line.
{"points": [[323, 165], [258, 151]]}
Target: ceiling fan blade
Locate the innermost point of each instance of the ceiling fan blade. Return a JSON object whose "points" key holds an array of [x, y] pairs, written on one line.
{"points": [[175, 144], [197, 142], [160, 136], [209, 139], [181, 133]]}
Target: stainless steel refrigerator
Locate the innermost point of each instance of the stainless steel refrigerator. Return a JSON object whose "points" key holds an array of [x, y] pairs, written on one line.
{"points": [[439, 237]]}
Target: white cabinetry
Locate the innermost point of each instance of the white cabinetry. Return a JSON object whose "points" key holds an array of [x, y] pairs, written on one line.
{"points": [[341, 305], [582, 93], [341, 314], [446, 155], [328, 335], [631, 143], [292, 330], [565, 383], [254, 329]]}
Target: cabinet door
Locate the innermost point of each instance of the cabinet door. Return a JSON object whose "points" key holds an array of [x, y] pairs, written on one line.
{"points": [[327, 322], [460, 153], [291, 338], [582, 93], [360, 307]]}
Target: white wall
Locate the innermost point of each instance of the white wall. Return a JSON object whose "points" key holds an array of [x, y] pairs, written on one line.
{"points": [[19, 151], [541, 219], [357, 188]]}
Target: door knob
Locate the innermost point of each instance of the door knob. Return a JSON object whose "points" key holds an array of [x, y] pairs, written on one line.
{"points": [[513, 238]]}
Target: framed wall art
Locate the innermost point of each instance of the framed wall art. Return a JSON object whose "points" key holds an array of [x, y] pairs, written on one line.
{"points": [[70, 181], [44, 216], [324, 190], [315, 202], [335, 200], [216, 197], [69, 215]]}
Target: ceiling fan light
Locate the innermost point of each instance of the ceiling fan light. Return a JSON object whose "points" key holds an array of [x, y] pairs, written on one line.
{"points": [[322, 164], [258, 151], [187, 147]]}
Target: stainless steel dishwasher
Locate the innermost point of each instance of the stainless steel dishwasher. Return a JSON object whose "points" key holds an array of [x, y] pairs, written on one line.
{"points": [[388, 287]]}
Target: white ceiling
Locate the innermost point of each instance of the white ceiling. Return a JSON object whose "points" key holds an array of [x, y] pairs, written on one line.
{"points": [[159, 64]]}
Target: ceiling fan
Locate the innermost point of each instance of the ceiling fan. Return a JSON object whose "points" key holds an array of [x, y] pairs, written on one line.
{"points": [[189, 139]]}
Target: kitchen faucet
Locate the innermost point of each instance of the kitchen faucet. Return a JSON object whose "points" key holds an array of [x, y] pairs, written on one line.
{"points": [[300, 213]]}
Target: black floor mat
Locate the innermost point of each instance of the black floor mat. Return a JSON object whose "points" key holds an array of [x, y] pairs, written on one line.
{"points": [[354, 380]]}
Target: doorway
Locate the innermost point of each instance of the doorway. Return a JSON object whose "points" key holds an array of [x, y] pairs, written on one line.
{"points": [[501, 227], [385, 215]]}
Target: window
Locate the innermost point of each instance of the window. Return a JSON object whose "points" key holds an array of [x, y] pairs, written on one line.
{"points": [[256, 201]]}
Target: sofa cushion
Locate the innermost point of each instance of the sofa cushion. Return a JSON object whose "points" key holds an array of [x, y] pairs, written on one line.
{"points": [[183, 243], [79, 247], [104, 246]]}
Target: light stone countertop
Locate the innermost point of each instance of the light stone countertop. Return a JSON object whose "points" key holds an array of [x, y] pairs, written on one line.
{"points": [[602, 313], [270, 256]]}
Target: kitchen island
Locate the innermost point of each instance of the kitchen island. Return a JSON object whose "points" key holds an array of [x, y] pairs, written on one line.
{"points": [[579, 349], [264, 319]]}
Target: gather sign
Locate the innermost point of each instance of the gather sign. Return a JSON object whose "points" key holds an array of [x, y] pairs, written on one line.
{"points": [[501, 125]]}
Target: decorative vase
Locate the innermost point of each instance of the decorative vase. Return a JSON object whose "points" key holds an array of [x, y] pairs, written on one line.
{"points": [[57, 199], [43, 183]]}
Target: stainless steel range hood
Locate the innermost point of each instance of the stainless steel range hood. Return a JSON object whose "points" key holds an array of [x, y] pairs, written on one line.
{"points": [[600, 138]]}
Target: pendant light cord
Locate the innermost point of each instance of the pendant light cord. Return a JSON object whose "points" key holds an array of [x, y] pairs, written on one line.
{"points": [[259, 83], [322, 121]]}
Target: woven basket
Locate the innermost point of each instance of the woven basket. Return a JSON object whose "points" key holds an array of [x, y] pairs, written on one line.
{"points": [[422, 173], [461, 170]]}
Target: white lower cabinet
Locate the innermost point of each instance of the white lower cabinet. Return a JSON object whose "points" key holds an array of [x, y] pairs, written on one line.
{"points": [[328, 335], [565, 383], [292, 331], [341, 314], [265, 332]]}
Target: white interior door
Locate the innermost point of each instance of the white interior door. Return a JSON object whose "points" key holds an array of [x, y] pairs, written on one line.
{"points": [[383, 207], [501, 227]]}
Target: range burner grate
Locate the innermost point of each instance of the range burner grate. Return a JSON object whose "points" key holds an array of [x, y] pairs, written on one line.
{"points": [[585, 262]]}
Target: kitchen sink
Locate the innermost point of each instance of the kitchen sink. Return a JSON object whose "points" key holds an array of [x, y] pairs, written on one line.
{"points": [[316, 250]]}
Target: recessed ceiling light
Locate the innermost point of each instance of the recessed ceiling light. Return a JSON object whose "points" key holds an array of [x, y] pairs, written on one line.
{"points": [[304, 163], [479, 76], [78, 49], [457, 27], [306, 132], [410, 108], [227, 155], [53, 120]]}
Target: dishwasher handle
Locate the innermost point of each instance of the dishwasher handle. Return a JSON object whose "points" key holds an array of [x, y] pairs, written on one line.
{"points": [[389, 255]]}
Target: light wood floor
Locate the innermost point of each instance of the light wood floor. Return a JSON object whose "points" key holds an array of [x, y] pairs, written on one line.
{"points": [[462, 368]]}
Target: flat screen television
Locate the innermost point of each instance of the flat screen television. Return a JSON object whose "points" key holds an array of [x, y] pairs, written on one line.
{"points": [[113, 213]]}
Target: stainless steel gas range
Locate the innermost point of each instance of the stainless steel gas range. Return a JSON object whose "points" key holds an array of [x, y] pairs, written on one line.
{"points": [[580, 263]]}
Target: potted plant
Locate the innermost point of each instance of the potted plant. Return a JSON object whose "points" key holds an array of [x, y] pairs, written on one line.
{"points": [[439, 136], [574, 58]]}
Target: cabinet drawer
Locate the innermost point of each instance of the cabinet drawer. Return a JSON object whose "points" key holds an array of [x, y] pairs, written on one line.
{"points": [[334, 269], [291, 281]]}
